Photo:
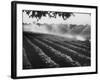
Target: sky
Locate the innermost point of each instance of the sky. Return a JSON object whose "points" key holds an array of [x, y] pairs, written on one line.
{"points": [[77, 19]]}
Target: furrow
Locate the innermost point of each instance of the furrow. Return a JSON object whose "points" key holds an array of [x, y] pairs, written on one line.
{"points": [[60, 58], [82, 59], [37, 57]]}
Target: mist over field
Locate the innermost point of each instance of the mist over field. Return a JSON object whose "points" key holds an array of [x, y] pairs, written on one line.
{"points": [[75, 27], [80, 32]]}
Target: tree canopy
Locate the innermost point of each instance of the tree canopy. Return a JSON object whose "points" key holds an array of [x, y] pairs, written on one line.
{"points": [[52, 14]]}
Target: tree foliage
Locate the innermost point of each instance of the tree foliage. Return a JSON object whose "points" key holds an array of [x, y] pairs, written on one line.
{"points": [[52, 14]]}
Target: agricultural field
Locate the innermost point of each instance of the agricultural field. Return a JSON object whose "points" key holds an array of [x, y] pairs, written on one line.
{"points": [[52, 51]]}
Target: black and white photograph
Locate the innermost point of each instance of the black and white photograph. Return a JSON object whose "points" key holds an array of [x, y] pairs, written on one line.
{"points": [[53, 39], [56, 39]]}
